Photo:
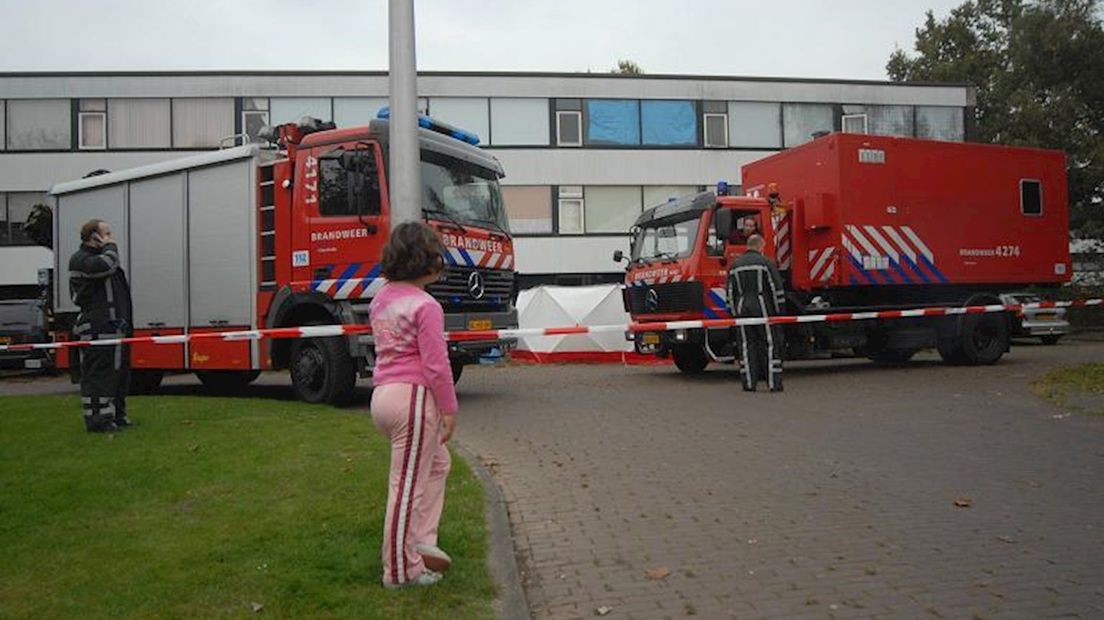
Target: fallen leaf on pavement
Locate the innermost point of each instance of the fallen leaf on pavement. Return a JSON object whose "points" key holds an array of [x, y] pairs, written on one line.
{"points": [[1006, 539], [603, 610], [963, 502], [656, 574]]}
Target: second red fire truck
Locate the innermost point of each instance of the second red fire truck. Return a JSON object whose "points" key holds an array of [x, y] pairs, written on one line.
{"points": [[860, 223]]}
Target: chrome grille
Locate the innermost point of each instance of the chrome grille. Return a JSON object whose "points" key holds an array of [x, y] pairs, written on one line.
{"points": [[674, 297], [452, 289]]}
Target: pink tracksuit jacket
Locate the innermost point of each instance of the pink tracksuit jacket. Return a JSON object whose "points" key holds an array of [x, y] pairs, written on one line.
{"points": [[412, 389]]}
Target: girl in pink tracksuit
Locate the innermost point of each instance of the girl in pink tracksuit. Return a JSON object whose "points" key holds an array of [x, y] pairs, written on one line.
{"points": [[413, 403]]}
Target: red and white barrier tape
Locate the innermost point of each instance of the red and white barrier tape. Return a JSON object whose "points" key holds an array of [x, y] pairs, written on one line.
{"points": [[324, 331]]}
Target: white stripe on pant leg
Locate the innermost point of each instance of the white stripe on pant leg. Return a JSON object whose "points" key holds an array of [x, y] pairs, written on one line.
{"points": [[748, 379], [408, 484], [770, 338]]}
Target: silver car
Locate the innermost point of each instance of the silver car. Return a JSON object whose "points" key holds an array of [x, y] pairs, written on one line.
{"points": [[1047, 324]]}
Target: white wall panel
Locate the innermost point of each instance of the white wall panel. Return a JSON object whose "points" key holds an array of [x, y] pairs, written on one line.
{"points": [[537, 255]]}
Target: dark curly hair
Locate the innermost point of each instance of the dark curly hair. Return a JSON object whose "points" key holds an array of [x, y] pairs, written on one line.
{"points": [[412, 252]]}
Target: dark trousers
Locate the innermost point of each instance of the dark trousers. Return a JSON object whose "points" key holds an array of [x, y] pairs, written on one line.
{"points": [[761, 356], [105, 380]]}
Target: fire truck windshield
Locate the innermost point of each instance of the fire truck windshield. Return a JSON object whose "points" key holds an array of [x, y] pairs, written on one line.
{"points": [[461, 192], [670, 238]]}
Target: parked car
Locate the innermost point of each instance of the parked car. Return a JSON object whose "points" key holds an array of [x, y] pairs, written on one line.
{"points": [[1047, 324], [24, 321]]}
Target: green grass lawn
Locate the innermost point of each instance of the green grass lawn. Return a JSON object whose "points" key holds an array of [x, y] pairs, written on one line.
{"points": [[1079, 387], [212, 505]]}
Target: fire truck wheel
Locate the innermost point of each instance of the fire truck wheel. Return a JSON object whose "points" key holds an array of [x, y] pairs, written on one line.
{"points": [[457, 370], [690, 359], [145, 381], [227, 380], [984, 338], [322, 371]]}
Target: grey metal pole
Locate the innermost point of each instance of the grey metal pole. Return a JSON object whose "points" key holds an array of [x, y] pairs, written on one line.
{"points": [[405, 179]]}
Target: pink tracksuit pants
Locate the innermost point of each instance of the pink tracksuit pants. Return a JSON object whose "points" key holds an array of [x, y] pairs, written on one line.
{"points": [[420, 463]]}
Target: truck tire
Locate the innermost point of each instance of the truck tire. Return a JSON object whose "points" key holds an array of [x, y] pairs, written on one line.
{"points": [[457, 370], [322, 371], [984, 338], [227, 380], [690, 358], [893, 356], [144, 381]]}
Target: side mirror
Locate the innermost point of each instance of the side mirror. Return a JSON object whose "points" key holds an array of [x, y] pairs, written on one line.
{"points": [[618, 256], [724, 221]]}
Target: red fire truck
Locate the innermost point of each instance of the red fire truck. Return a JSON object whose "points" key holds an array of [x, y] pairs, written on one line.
{"points": [[860, 223], [289, 234]]}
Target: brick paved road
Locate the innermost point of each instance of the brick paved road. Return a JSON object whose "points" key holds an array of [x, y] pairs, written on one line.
{"points": [[835, 499]]}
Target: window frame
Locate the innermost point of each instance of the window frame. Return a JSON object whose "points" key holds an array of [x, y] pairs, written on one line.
{"points": [[705, 130], [578, 114], [1039, 185], [81, 146], [850, 117]]}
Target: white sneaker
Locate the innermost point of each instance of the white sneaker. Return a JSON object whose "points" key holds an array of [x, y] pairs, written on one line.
{"points": [[426, 578], [434, 558]]}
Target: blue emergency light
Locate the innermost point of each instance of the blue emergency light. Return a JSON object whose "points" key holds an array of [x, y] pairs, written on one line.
{"points": [[722, 188], [436, 125]]}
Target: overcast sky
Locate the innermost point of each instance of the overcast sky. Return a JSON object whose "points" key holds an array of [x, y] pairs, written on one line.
{"points": [[787, 38]]}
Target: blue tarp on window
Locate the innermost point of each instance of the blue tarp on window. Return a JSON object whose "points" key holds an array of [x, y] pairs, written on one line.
{"points": [[669, 122], [613, 121]]}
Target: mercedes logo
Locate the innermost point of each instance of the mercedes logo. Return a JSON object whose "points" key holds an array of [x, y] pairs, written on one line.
{"points": [[651, 300], [475, 285]]}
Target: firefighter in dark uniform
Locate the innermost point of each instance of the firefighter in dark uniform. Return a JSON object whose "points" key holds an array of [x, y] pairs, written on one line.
{"points": [[99, 287], [755, 290]]}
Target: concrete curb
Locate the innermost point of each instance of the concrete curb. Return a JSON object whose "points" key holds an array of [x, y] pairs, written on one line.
{"points": [[511, 603]]}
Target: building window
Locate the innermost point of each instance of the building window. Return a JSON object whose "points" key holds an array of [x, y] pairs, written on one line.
{"points": [[612, 122], [755, 124], [1031, 197], [254, 116], [854, 123], [802, 120], [520, 122], [655, 195], [571, 210], [611, 209], [39, 124], [569, 128], [14, 209], [294, 109], [92, 124], [716, 131], [468, 113], [201, 122], [669, 123], [939, 123], [139, 123], [529, 208], [881, 120]]}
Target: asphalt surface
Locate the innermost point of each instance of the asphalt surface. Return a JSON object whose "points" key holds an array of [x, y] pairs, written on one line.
{"points": [[642, 493]]}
